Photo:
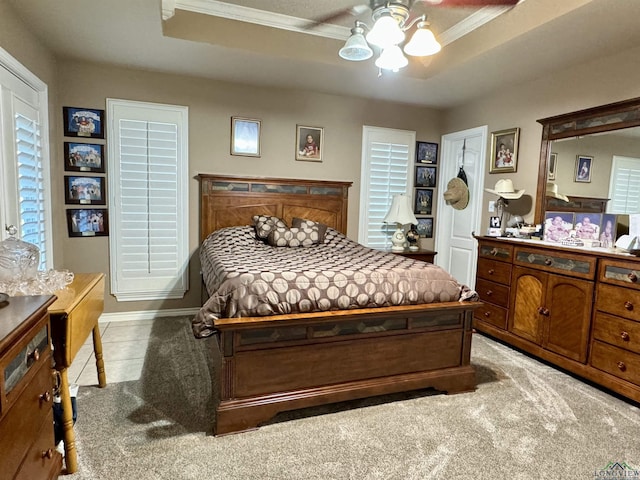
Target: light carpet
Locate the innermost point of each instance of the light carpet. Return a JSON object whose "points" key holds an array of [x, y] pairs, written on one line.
{"points": [[526, 420]]}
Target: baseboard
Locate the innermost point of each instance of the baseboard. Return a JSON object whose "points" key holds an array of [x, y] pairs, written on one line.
{"points": [[146, 314]]}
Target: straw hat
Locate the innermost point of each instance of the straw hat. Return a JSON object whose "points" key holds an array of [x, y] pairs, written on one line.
{"points": [[552, 191], [504, 188], [457, 194]]}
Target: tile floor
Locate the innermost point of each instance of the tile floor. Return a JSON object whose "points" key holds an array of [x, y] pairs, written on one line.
{"points": [[124, 345]]}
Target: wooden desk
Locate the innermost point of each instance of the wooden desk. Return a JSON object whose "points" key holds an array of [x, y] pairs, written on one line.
{"points": [[74, 315], [421, 254]]}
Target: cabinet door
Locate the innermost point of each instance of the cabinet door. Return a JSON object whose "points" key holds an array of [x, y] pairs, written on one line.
{"points": [[528, 288], [567, 313]]}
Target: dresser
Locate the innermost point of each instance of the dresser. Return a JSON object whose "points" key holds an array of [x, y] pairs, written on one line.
{"points": [[578, 309], [26, 382]]}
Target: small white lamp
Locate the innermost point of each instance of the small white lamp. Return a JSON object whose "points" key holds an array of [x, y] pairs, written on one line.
{"points": [[400, 213]]}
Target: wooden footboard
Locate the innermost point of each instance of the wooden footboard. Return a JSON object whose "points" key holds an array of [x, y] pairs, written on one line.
{"points": [[287, 362]]}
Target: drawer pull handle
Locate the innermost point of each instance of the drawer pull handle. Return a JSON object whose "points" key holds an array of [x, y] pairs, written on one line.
{"points": [[45, 397], [628, 305], [624, 336], [632, 277], [621, 366], [487, 314], [35, 355], [491, 271], [543, 311], [48, 453], [494, 252], [489, 293], [548, 261]]}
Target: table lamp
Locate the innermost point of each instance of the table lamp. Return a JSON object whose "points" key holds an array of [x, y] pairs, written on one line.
{"points": [[401, 214]]}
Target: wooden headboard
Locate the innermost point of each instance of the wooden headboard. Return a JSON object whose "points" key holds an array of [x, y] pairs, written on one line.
{"points": [[227, 201]]}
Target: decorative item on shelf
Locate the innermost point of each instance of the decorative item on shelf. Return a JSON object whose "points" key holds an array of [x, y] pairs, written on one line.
{"points": [[505, 191], [400, 213], [504, 148], [552, 191], [412, 238]]}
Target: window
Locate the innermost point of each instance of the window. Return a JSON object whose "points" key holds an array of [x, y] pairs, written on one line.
{"points": [[624, 187], [387, 165], [24, 157], [148, 192]]}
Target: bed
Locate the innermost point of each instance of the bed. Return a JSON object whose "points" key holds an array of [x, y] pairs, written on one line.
{"points": [[274, 362]]}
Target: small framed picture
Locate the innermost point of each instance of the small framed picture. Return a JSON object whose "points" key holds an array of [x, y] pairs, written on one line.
{"points": [[583, 169], [495, 222], [309, 143], [245, 136], [588, 225], [425, 176], [425, 227], [551, 172], [87, 222], [557, 226], [504, 151], [426, 152], [83, 122], [84, 190], [424, 201], [83, 157]]}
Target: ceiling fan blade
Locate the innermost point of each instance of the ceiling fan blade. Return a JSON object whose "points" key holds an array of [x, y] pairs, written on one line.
{"points": [[469, 3], [355, 11]]}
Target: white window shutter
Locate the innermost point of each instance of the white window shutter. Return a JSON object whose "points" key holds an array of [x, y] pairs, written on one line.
{"points": [[624, 187], [148, 185]]}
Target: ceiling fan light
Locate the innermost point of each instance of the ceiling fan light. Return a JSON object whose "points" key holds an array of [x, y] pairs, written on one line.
{"points": [[356, 48], [422, 43], [385, 32], [392, 58]]}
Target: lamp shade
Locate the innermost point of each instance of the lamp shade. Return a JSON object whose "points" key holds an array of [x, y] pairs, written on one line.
{"points": [[400, 211], [385, 32], [392, 58], [423, 42], [356, 48]]}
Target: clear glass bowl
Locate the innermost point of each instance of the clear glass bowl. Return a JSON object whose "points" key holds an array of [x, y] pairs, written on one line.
{"points": [[18, 260]]}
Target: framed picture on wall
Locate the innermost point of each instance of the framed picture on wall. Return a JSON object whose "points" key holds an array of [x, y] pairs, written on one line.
{"points": [[426, 152], [583, 169], [425, 227], [309, 143], [83, 157], [424, 201], [551, 172], [84, 190], [87, 222], [425, 176], [245, 136], [504, 151], [83, 122]]}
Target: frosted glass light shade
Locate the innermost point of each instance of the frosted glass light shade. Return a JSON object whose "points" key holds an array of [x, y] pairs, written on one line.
{"points": [[422, 44], [392, 58], [355, 48], [385, 32]]}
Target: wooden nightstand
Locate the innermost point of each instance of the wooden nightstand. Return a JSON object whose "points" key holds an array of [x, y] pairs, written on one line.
{"points": [[73, 316], [421, 254]]}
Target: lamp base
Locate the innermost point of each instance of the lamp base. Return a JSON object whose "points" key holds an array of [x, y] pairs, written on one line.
{"points": [[398, 240]]}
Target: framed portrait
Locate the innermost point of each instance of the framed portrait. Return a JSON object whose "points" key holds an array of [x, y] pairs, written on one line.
{"points": [[587, 225], [245, 137], [84, 190], [557, 226], [425, 176], [504, 151], [83, 122], [425, 227], [309, 143], [83, 157], [583, 169], [426, 152], [87, 222], [551, 172], [424, 201]]}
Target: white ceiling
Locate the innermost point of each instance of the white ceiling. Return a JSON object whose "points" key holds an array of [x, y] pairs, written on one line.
{"points": [[525, 42]]}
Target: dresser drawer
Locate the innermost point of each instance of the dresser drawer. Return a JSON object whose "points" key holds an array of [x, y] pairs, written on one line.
{"points": [[495, 250], [623, 302], [571, 264], [488, 313], [493, 292], [42, 459], [495, 271], [619, 272], [617, 331], [616, 361], [29, 354]]}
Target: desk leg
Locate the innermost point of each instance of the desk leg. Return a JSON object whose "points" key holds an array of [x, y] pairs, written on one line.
{"points": [[69, 436], [97, 350]]}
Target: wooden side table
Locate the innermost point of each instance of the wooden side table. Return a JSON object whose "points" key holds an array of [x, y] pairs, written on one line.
{"points": [[74, 315], [421, 254]]}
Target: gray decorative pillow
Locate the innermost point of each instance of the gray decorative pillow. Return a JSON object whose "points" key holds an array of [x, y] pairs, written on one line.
{"points": [[304, 223], [293, 237], [265, 224]]}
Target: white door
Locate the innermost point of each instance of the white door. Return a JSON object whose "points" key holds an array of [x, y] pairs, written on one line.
{"points": [[454, 243]]}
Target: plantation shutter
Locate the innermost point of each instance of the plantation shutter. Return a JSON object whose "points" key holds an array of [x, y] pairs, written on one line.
{"points": [[387, 164], [148, 187], [624, 188]]}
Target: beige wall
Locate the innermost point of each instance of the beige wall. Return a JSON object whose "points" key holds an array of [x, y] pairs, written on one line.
{"points": [[211, 105], [597, 82]]}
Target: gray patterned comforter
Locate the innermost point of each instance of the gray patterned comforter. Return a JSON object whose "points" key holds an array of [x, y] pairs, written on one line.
{"points": [[246, 277]]}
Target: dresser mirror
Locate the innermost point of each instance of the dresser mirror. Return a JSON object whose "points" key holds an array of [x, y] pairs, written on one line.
{"points": [[578, 153]]}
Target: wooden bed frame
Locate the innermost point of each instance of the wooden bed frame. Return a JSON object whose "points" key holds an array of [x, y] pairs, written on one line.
{"points": [[286, 362]]}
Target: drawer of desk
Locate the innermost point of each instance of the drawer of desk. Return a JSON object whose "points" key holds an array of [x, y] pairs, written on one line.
{"points": [[616, 361], [25, 355], [620, 272], [495, 250], [493, 292], [617, 331], [488, 313], [42, 459], [623, 302], [499, 272], [571, 264]]}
